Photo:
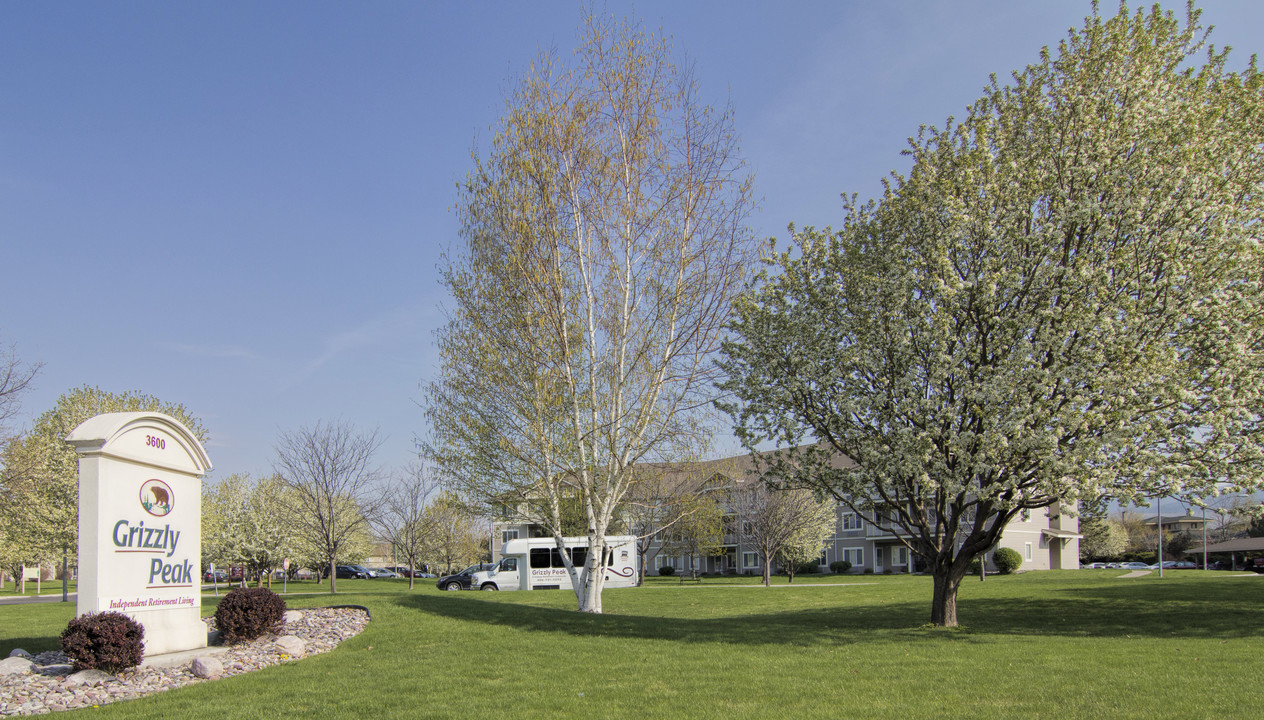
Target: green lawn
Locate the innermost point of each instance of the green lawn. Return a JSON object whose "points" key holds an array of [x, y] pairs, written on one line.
{"points": [[48, 587], [1066, 644]]}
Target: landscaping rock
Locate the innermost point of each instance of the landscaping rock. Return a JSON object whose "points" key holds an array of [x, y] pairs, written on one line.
{"points": [[45, 690], [292, 616], [89, 677], [291, 645], [16, 666], [207, 668], [19, 652]]}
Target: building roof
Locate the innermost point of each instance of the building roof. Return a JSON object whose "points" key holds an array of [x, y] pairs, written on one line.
{"points": [[1248, 544], [702, 475], [1057, 533], [1173, 519]]}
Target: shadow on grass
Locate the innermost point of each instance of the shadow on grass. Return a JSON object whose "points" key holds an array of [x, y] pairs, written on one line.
{"points": [[1104, 611], [33, 645]]}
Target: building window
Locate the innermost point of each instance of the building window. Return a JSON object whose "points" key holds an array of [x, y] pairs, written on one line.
{"points": [[749, 561], [1027, 551], [664, 560], [507, 535], [824, 557], [851, 521], [899, 556], [855, 556]]}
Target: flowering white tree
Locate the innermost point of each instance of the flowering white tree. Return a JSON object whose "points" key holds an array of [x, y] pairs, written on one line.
{"points": [[41, 470], [1063, 299], [607, 239], [790, 523], [247, 523]]}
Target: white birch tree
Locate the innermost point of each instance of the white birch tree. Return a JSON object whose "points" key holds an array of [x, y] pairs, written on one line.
{"points": [[607, 238], [1062, 299]]}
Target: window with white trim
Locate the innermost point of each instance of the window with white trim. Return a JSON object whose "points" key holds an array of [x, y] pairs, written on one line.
{"points": [[852, 521], [749, 560], [855, 556], [507, 535], [1027, 551]]}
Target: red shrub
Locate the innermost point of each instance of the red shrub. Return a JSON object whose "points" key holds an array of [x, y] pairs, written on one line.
{"points": [[106, 641], [247, 613]]}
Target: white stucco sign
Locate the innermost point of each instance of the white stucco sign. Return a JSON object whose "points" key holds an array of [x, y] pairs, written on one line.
{"points": [[140, 525]]}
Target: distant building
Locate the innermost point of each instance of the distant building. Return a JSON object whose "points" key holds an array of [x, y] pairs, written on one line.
{"points": [[1046, 539], [1173, 524]]}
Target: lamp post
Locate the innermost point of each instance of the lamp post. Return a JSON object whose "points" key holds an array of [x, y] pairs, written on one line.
{"points": [[1204, 537]]}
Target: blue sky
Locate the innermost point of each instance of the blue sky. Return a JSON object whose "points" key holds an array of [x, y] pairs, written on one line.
{"points": [[240, 206]]}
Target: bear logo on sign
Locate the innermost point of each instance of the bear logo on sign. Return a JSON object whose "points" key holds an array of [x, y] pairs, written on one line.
{"points": [[156, 497]]}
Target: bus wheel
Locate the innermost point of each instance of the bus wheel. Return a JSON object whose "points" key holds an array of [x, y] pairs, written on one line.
{"points": [[489, 586]]}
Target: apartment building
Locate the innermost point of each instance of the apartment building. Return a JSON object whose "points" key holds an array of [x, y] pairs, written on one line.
{"points": [[1046, 539]]}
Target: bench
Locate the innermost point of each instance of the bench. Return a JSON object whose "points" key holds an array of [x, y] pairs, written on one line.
{"points": [[686, 578]]}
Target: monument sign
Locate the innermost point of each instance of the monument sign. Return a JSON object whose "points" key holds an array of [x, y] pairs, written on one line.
{"points": [[140, 525]]}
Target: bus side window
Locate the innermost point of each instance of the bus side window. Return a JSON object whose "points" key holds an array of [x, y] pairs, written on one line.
{"points": [[579, 555], [557, 558], [539, 557]]}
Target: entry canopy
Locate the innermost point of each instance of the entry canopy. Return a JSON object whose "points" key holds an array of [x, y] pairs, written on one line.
{"points": [[131, 436]]}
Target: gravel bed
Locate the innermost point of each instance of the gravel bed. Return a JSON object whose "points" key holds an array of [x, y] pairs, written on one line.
{"points": [[49, 688]]}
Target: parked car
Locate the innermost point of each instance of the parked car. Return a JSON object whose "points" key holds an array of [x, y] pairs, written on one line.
{"points": [[1094, 566], [1134, 566], [461, 580], [217, 576], [401, 571], [352, 572], [386, 573]]}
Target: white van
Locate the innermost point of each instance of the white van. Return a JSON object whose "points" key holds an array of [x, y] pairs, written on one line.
{"points": [[536, 564]]}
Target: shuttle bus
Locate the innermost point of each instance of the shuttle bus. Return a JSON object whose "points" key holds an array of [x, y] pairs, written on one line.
{"points": [[536, 564]]}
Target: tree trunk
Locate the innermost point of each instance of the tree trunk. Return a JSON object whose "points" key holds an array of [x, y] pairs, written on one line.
{"points": [[943, 608], [593, 577], [591, 601], [333, 576]]}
